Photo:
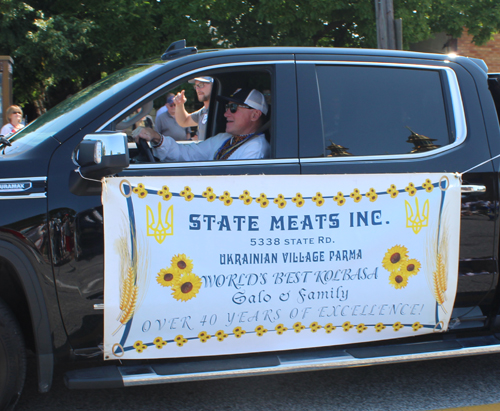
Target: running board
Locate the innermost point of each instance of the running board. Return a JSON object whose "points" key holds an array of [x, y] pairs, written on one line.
{"points": [[115, 376]]}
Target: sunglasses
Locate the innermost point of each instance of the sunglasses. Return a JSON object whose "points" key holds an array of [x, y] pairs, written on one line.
{"points": [[233, 107], [199, 85]]}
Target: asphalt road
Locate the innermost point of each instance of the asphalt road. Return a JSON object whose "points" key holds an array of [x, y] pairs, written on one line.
{"points": [[426, 385]]}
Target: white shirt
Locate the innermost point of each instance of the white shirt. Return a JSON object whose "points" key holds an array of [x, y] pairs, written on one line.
{"points": [[257, 147], [8, 129]]}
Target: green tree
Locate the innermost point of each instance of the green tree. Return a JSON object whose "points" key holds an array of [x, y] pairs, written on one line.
{"points": [[339, 23], [60, 46]]}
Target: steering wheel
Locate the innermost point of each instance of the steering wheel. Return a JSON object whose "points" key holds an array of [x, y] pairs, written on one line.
{"points": [[145, 150]]}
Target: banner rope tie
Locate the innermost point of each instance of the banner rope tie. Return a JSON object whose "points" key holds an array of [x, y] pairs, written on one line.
{"points": [[480, 164]]}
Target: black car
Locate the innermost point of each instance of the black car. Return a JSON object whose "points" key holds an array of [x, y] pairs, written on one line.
{"points": [[332, 112]]}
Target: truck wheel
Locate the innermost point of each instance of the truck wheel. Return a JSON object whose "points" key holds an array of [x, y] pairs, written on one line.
{"points": [[12, 359]]}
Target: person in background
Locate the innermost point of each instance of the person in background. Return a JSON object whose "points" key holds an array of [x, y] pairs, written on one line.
{"points": [[161, 110], [203, 88], [14, 116], [166, 124], [267, 95]]}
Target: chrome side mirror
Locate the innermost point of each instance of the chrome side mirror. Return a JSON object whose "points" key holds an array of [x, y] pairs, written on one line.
{"points": [[97, 156], [102, 154]]}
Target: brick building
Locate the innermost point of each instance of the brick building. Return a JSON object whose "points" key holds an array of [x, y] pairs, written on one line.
{"points": [[490, 52], [442, 43]]}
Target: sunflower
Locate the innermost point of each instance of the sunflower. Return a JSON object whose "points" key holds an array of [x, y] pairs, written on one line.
{"points": [[398, 280], [165, 193], [393, 191], [410, 189], [238, 332], [180, 340], [280, 200], [298, 327], [397, 326], [221, 335], [417, 326], [139, 346], [182, 263], [260, 330], [347, 326], [318, 199], [372, 195], [329, 328], [167, 196], [314, 327], [204, 336], [410, 267], [428, 185], [394, 257], [339, 198], [140, 187], [187, 287], [262, 200], [298, 200], [168, 276], [159, 342], [356, 195]]}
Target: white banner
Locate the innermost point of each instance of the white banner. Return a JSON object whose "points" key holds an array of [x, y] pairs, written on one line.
{"points": [[234, 264]]}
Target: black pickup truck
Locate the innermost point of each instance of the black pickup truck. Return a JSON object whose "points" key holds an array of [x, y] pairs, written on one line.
{"points": [[333, 112]]}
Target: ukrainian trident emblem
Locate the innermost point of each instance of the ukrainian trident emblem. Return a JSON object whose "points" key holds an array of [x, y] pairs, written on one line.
{"points": [[417, 219], [160, 226]]}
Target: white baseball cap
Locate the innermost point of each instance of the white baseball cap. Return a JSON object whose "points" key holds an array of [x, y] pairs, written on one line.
{"points": [[252, 98], [202, 80]]}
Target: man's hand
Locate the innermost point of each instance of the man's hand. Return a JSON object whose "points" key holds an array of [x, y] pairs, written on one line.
{"points": [[180, 99], [147, 134]]}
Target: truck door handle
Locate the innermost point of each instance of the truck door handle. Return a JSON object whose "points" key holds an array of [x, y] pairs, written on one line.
{"points": [[473, 189]]}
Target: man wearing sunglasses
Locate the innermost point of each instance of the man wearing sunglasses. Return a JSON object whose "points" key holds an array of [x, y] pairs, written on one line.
{"points": [[167, 125], [203, 88], [245, 110]]}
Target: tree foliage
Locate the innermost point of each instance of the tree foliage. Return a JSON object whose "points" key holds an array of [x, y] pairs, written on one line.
{"points": [[60, 46]]}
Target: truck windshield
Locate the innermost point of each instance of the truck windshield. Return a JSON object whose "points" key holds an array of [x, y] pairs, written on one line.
{"points": [[75, 107]]}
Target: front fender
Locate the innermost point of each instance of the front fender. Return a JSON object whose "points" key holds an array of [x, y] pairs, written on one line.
{"points": [[35, 298]]}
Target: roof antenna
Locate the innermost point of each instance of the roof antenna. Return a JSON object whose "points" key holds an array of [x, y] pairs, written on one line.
{"points": [[178, 49]]}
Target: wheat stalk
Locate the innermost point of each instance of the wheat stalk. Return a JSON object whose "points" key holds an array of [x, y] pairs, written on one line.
{"points": [[129, 290], [130, 303], [133, 274], [437, 260], [439, 282], [126, 287]]}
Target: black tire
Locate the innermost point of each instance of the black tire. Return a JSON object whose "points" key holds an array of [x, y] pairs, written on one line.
{"points": [[12, 359]]}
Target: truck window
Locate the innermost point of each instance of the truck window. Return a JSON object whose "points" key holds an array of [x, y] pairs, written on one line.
{"points": [[381, 110], [225, 83]]}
